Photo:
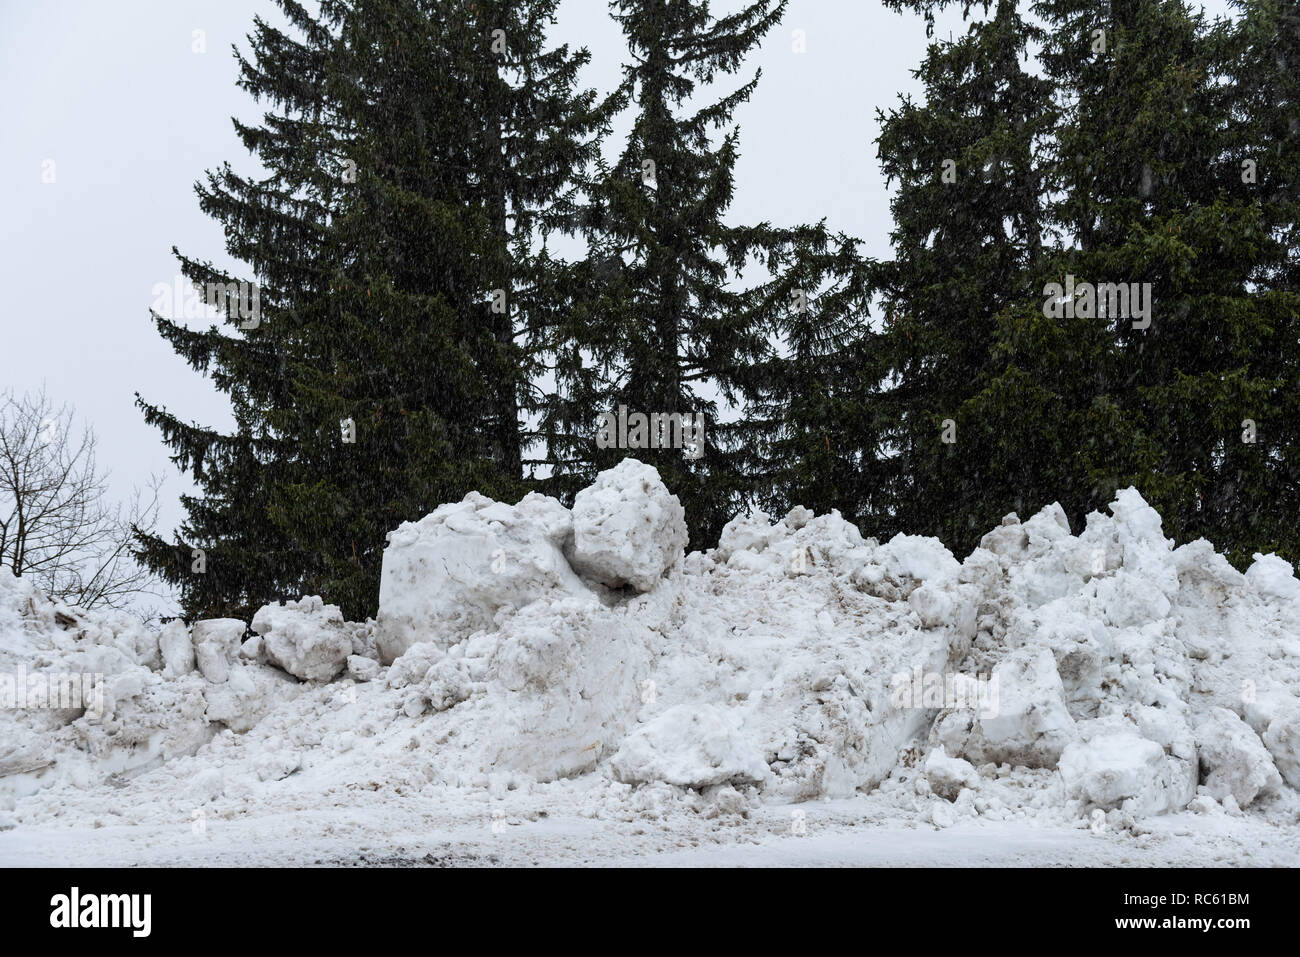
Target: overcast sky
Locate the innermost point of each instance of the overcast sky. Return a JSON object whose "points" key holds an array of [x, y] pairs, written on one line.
{"points": [[130, 116]]}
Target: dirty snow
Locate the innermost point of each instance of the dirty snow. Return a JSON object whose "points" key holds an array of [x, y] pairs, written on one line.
{"points": [[552, 686]]}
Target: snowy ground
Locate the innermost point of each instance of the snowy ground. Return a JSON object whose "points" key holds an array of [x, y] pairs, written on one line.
{"points": [[557, 829], [555, 686]]}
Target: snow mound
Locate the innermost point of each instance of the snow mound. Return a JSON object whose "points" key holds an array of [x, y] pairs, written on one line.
{"points": [[1048, 674]]}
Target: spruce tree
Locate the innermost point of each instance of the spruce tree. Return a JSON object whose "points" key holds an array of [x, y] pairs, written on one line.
{"points": [[1128, 161], [968, 246], [815, 422], [660, 325], [1148, 162], [414, 170], [227, 558]]}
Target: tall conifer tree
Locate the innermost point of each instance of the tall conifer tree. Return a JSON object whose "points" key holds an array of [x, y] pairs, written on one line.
{"points": [[663, 327], [968, 241], [416, 148]]}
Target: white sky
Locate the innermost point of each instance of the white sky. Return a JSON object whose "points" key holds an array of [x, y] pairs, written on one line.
{"points": [[131, 117]]}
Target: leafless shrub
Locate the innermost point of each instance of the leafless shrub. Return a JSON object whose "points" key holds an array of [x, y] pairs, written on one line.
{"points": [[56, 524]]}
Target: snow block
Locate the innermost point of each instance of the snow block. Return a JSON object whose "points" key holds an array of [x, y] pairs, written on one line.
{"points": [[306, 638], [447, 575], [628, 530], [548, 696], [947, 776], [176, 648], [693, 746], [1273, 578], [1027, 723], [216, 643], [1282, 738], [1233, 759], [1113, 766]]}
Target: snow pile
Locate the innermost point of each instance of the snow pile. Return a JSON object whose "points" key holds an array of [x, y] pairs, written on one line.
{"points": [[1048, 675], [81, 697]]}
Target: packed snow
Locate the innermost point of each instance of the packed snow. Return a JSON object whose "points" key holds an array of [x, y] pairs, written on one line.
{"points": [[546, 685]]}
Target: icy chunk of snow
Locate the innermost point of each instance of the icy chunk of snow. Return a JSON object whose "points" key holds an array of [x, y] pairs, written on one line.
{"points": [[917, 557], [448, 574], [693, 746], [306, 638], [1233, 759], [1112, 766], [628, 529], [216, 643], [1282, 738], [1274, 578], [549, 695], [247, 695], [177, 649], [1025, 722], [362, 669], [947, 776], [1137, 521]]}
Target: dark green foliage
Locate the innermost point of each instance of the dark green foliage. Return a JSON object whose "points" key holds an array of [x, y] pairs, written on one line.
{"points": [[410, 166], [968, 249], [659, 325], [1125, 168]]}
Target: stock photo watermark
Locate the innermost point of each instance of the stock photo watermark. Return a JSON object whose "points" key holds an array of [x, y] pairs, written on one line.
{"points": [[1113, 300], [918, 689], [658, 430], [52, 690], [182, 299]]}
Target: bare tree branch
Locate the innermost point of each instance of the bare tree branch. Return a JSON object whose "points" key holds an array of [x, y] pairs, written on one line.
{"points": [[55, 524]]}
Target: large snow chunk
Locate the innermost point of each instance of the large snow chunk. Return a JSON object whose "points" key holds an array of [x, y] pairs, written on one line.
{"points": [[748, 531], [917, 557], [246, 697], [1009, 539], [548, 696], [1233, 759], [1274, 578], [1030, 724], [947, 776], [1113, 766], [306, 638], [694, 746], [447, 575], [627, 528], [1282, 738], [176, 648], [1025, 722], [216, 643], [1137, 522]]}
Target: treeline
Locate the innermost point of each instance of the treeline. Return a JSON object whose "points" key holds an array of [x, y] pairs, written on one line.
{"points": [[419, 333]]}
